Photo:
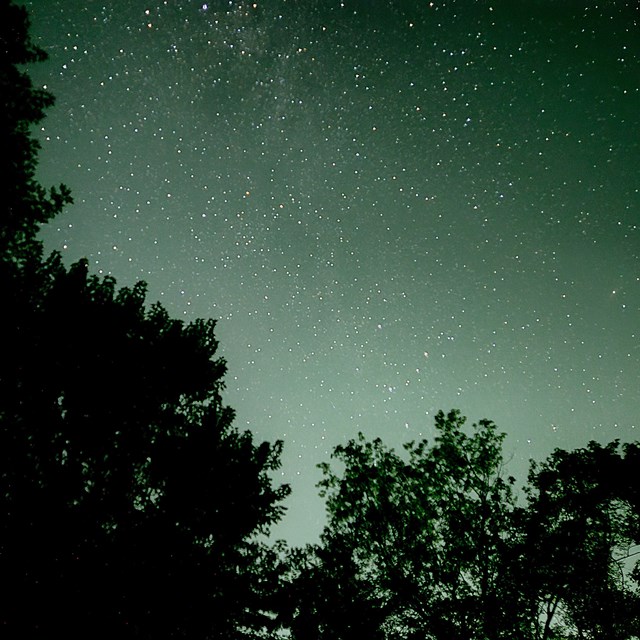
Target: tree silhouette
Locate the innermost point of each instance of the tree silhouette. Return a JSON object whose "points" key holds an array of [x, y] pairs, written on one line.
{"points": [[26, 203], [131, 505], [326, 598], [426, 533], [582, 531], [433, 544]]}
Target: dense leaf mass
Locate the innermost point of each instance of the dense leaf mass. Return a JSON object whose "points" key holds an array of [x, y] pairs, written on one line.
{"points": [[434, 544], [130, 502], [26, 203], [130, 496]]}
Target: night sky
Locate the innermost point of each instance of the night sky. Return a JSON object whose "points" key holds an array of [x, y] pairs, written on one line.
{"points": [[391, 207]]}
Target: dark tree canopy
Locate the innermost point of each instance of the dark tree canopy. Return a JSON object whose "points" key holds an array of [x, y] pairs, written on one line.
{"points": [[26, 204], [582, 528], [130, 496], [433, 544], [427, 530], [131, 505]]}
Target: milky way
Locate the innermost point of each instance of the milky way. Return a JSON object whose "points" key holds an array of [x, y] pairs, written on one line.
{"points": [[391, 207]]}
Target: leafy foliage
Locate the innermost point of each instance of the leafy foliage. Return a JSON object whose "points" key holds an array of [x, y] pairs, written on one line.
{"points": [[428, 530], [26, 204], [582, 528], [131, 505], [130, 497], [433, 544]]}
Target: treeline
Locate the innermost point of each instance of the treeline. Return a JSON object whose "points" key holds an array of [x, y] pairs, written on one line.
{"points": [[133, 508], [434, 544]]}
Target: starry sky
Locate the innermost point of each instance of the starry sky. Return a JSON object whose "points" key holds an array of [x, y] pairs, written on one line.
{"points": [[392, 207]]}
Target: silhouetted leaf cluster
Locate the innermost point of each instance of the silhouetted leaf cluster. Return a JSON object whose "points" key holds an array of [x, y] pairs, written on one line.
{"points": [[433, 544], [131, 505], [26, 204]]}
